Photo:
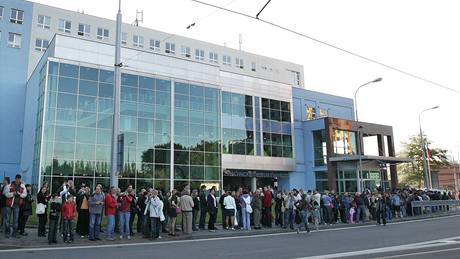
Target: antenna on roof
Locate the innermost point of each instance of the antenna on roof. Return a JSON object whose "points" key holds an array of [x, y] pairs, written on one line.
{"points": [[139, 17], [240, 41]]}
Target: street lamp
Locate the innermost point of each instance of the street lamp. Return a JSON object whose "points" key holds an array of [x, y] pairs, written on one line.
{"points": [[360, 173], [425, 162]]}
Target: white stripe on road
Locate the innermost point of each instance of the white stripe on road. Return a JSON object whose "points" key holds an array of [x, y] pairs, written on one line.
{"points": [[89, 246], [420, 253], [388, 249]]}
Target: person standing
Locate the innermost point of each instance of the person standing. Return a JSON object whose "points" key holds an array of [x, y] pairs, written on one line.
{"points": [[6, 182], [25, 210], [133, 212], [96, 206], [267, 207], [83, 211], [246, 209], [111, 211], [203, 206], [154, 208], [140, 209], [42, 205], [381, 210], [256, 205], [69, 212], [15, 194], [186, 205], [229, 210], [222, 208], [279, 210], [345, 207], [172, 212], [212, 209], [125, 200], [195, 209], [55, 212]]}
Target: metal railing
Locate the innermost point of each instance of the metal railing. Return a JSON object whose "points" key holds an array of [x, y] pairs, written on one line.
{"points": [[435, 206]]}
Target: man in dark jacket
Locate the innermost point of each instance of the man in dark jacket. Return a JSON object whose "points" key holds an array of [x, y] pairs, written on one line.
{"points": [[203, 206], [212, 209], [25, 210], [381, 207], [195, 209], [222, 207]]}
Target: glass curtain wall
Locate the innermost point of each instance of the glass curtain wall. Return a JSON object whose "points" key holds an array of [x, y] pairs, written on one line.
{"points": [[197, 143], [78, 109], [276, 128]]}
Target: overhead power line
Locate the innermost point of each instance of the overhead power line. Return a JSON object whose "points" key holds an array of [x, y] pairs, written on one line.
{"points": [[333, 46]]}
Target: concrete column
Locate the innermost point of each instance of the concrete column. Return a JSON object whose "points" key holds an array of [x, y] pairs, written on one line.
{"points": [[253, 184]]}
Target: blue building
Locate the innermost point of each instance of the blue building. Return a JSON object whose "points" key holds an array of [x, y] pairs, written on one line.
{"points": [[191, 112]]}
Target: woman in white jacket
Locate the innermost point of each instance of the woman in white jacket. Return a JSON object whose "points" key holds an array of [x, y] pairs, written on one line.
{"points": [[230, 207], [155, 209]]}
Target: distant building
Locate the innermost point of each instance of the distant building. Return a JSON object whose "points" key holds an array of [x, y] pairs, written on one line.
{"points": [[447, 178]]}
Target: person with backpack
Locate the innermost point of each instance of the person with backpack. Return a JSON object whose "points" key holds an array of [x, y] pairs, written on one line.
{"points": [[15, 193], [300, 210]]}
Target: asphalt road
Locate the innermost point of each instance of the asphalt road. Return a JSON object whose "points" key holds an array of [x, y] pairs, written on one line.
{"points": [[428, 238]]}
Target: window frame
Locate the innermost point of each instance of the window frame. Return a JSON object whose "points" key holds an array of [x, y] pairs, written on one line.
{"points": [[17, 19], [213, 57], [199, 54], [2, 10], [14, 44], [185, 51], [44, 25], [103, 36], [239, 63], [42, 47], [139, 43], [155, 46], [86, 30], [253, 66], [64, 22], [170, 48], [226, 60]]}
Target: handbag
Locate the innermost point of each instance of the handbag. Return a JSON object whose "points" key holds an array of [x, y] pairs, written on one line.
{"points": [[178, 210], [40, 209], [248, 208]]}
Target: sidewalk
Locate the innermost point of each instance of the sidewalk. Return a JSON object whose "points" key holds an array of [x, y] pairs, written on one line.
{"points": [[32, 240]]}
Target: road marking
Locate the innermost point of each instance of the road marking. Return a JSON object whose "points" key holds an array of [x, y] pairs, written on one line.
{"points": [[420, 253], [36, 249], [425, 244]]}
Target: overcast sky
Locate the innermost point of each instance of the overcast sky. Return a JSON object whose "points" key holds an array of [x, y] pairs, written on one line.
{"points": [[419, 36]]}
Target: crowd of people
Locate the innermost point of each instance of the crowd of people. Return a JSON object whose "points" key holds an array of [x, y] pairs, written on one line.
{"points": [[157, 211]]}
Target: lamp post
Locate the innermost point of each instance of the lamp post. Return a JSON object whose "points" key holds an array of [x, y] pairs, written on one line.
{"points": [[422, 142], [116, 103], [360, 173]]}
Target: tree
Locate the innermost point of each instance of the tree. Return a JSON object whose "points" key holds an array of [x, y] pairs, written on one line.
{"points": [[412, 173]]}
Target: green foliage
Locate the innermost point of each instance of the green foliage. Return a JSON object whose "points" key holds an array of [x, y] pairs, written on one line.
{"points": [[412, 173]]}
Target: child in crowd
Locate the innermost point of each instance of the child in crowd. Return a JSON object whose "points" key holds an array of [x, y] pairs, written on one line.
{"points": [[351, 215], [55, 211], [68, 215]]}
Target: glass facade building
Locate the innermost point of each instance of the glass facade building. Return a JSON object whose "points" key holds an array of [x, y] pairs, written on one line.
{"points": [[73, 132]]}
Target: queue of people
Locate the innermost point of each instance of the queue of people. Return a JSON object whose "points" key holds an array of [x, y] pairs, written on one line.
{"points": [[157, 211]]}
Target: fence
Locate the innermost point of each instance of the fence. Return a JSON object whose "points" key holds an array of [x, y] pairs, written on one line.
{"points": [[435, 206]]}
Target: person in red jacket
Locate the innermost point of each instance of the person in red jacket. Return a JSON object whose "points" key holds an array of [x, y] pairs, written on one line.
{"points": [[68, 211], [110, 211], [125, 200], [267, 208]]}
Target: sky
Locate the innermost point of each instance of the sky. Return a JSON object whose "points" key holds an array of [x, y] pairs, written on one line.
{"points": [[417, 36]]}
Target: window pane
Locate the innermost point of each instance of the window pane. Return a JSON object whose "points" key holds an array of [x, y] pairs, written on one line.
{"points": [[68, 85], [68, 70], [89, 73], [87, 88]]}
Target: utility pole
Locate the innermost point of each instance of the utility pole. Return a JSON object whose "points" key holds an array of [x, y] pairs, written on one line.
{"points": [[116, 103]]}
